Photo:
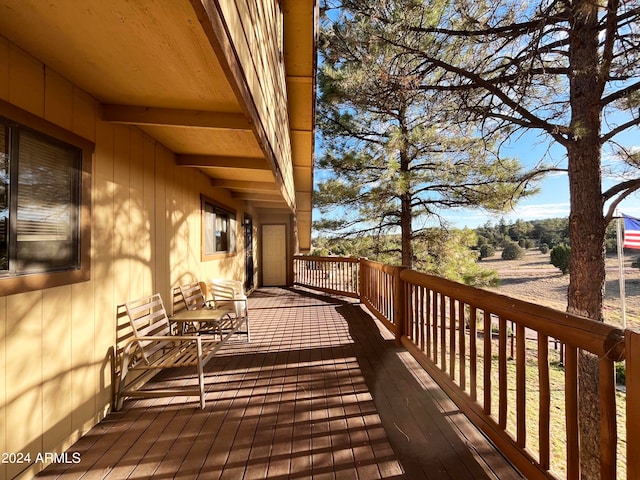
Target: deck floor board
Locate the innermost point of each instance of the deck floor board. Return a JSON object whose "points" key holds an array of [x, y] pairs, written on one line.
{"points": [[320, 392]]}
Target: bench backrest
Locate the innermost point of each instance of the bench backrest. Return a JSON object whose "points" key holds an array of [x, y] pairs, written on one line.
{"points": [[148, 318], [192, 296]]}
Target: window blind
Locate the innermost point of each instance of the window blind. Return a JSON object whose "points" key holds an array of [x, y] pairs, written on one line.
{"points": [[47, 202]]}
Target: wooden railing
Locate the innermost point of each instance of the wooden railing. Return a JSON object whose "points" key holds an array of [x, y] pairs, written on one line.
{"points": [[338, 275], [461, 336], [381, 292], [498, 359]]}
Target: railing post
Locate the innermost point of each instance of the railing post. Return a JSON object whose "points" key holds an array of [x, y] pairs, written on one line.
{"points": [[399, 305], [361, 276], [294, 270], [632, 375]]}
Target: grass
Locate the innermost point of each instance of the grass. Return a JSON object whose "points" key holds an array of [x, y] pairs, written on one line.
{"points": [[557, 426]]}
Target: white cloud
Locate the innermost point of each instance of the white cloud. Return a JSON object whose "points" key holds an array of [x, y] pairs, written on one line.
{"points": [[474, 218], [543, 210]]}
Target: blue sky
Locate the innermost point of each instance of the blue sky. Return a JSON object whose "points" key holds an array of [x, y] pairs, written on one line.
{"points": [[553, 199]]}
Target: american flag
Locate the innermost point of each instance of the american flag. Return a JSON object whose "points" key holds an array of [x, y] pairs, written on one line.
{"points": [[631, 232]]}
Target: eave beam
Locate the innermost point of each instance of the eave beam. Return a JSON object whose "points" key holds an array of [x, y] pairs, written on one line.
{"points": [[258, 197], [245, 186], [214, 161], [174, 117]]}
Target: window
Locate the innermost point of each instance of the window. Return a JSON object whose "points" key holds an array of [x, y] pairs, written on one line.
{"points": [[39, 201], [219, 229], [44, 203]]}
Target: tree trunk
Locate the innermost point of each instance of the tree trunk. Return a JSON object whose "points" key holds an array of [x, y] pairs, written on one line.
{"points": [[586, 220], [406, 213], [406, 230]]}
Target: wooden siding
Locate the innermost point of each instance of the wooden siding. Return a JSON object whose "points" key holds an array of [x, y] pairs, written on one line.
{"points": [[255, 28], [56, 347]]}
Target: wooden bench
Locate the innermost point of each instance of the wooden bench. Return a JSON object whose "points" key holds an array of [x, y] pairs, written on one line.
{"points": [[153, 347]]}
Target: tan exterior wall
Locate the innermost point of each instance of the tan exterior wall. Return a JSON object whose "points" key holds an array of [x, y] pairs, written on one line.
{"points": [[56, 344]]}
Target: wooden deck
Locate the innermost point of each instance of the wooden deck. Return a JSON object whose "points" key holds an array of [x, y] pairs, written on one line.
{"points": [[320, 392]]}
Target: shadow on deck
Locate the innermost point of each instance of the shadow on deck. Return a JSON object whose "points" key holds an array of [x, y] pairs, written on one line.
{"points": [[320, 392]]}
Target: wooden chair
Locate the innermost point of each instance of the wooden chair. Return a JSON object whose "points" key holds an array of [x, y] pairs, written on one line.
{"points": [[153, 347]]}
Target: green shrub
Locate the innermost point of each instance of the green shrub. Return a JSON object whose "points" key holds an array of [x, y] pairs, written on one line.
{"points": [[621, 373], [560, 255], [544, 248], [512, 251], [526, 243], [505, 241], [481, 278], [487, 251], [636, 263]]}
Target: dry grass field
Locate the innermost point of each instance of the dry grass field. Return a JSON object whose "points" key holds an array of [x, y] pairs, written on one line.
{"points": [[535, 280]]}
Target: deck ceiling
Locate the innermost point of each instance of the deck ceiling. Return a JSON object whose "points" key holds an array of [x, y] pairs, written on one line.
{"points": [[151, 63]]}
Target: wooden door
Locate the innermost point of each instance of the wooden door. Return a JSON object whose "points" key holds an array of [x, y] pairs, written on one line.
{"points": [[274, 255]]}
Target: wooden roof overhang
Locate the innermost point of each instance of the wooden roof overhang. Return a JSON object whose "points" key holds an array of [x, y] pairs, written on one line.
{"points": [[203, 77]]}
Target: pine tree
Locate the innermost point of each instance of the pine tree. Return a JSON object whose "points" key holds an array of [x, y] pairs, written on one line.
{"points": [[566, 68], [395, 161]]}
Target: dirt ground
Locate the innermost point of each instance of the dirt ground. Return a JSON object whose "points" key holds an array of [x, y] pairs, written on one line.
{"points": [[535, 280]]}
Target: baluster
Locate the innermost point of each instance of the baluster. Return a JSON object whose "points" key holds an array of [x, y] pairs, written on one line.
{"points": [[462, 345], [452, 338], [608, 428], [428, 320], [502, 373], [434, 322], [443, 333], [473, 353], [487, 363], [419, 307], [571, 411], [544, 401], [521, 397]]}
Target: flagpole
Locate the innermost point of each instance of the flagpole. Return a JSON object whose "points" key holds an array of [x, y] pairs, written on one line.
{"points": [[621, 271]]}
